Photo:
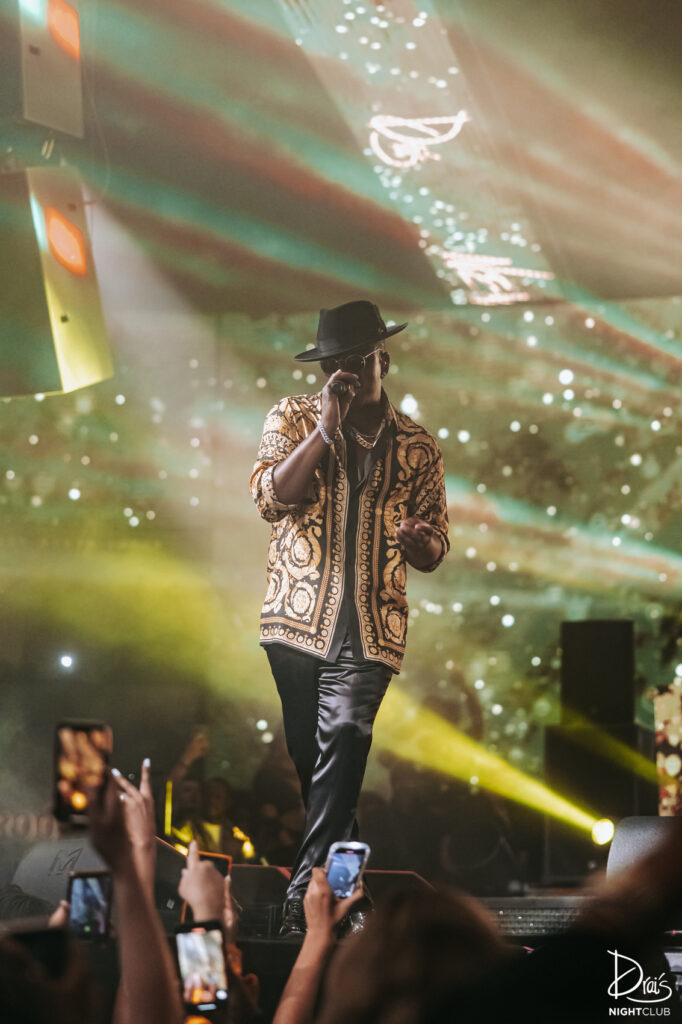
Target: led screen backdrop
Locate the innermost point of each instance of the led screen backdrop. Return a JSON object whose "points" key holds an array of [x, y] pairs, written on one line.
{"points": [[475, 170]]}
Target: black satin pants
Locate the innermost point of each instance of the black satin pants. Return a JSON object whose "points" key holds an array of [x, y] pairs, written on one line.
{"points": [[328, 710]]}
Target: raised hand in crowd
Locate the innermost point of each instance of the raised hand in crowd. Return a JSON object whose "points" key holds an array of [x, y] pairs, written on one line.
{"points": [[210, 897], [323, 912], [149, 992], [202, 886], [138, 807], [59, 918], [197, 747]]}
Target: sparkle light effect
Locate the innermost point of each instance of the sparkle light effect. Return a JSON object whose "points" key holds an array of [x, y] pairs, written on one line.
{"points": [[414, 65]]}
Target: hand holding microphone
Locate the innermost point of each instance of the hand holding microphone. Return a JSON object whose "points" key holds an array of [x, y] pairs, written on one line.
{"points": [[337, 396]]}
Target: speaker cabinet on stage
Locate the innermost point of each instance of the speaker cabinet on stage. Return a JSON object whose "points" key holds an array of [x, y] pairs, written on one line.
{"points": [[598, 669], [258, 884], [40, 64], [53, 337], [579, 766]]}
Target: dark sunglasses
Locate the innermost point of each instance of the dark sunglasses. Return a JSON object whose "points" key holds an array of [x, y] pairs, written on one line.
{"points": [[351, 364]]}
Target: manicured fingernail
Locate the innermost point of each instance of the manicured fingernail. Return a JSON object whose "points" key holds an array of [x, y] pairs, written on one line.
{"points": [[116, 772], [146, 763]]}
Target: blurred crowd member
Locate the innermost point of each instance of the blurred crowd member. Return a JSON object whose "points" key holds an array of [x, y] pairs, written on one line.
{"points": [[434, 958], [53, 988], [190, 763], [278, 815], [54, 985], [222, 834], [417, 950], [323, 912], [15, 903], [122, 831], [430, 957], [202, 810], [210, 897]]}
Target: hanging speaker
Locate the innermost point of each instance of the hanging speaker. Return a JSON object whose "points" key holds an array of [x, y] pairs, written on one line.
{"points": [[40, 64], [52, 332]]}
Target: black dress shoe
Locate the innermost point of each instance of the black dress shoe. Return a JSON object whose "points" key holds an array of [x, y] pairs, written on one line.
{"points": [[355, 919], [293, 917]]}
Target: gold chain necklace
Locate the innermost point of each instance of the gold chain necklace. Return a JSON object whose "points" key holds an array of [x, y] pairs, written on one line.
{"points": [[364, 440]]}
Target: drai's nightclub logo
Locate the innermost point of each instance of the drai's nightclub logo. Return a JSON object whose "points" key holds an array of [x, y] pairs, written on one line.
{"points": [[641, 995]]}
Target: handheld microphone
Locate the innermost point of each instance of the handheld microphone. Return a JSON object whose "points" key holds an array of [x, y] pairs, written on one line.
{"points": [[338, 388]]}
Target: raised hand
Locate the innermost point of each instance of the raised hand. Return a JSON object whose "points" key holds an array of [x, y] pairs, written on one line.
{"points": [[202, 885], [335, 407], [197, 747], [107, 825], [323, 910], [138, 806]]}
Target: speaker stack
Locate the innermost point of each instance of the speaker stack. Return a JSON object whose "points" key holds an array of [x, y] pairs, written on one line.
{"points": [[598, 706]]}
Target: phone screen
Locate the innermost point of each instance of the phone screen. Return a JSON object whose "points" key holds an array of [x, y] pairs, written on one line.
{"points": [[90, 900], [343, 870], [202, 967], [82, 753]]}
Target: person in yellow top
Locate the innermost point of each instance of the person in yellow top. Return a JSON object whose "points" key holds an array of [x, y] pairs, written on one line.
{"points": [[354, 490]]}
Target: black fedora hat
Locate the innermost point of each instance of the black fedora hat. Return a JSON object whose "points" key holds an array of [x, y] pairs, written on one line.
{"points": [[345, 328]]}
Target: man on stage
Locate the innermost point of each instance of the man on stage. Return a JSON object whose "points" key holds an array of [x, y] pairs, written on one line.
{"points": [[354, 489]]}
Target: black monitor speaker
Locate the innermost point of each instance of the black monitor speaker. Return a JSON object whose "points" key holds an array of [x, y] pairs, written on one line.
{"points": [[598, 669]]}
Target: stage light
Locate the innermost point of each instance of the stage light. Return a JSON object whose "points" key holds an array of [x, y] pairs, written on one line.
{"points": [[55, 338], [602, 831], [64, 26], [66, 242], [66, 661], [34, 9], [43, 85]]}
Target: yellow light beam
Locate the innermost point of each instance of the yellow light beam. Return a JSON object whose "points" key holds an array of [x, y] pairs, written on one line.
{"points": [[419, 735], [586, 734]]}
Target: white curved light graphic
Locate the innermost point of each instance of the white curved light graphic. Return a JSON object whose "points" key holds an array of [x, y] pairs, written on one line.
{"points": [[410, 138]]}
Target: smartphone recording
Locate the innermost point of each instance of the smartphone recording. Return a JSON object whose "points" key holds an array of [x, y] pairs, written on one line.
{"points": [[89, 896], [201, 960], [345, 865], [82, 753], [221, 861]]}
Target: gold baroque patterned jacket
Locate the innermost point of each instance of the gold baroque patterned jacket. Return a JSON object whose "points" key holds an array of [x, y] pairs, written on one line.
{"points": [[308, 571]]}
